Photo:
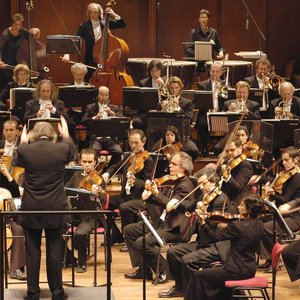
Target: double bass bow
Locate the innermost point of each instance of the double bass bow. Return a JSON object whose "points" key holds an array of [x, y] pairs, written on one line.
{"points": [[112, 54]]}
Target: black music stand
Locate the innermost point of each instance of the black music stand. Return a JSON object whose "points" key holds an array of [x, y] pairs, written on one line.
{"points": [[63, 44], [256, 95], [218, 122], [203, 100], [141, 99], [73, 95], [4, 116], [83, 200], [18, 98], [112, 127]]}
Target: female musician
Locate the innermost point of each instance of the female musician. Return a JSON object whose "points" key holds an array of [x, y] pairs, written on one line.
{"points": [[155, 71], [10, 42], [245, 236], [171, 143], [284, 189], [21, 75], [91, 31]]}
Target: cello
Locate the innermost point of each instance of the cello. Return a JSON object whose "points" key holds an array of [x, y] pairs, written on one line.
{"points": [[111, 53]]}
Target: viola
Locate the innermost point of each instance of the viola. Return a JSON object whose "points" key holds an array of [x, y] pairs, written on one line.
{"points": [[251, 149], [137, 162], [172, 148], [232, 164], [223, 217], [90, 179], [209, 197], [169, 179]]}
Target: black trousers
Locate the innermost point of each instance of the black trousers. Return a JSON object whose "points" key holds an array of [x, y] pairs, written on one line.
{"points": [[53, 261], [291, 258]]}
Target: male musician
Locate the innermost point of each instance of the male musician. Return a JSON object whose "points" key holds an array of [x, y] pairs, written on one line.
{"points": [[91, 31], [136, 167], [283, 191], [174, 225], [10, 42], [287, 106], [236, 173], [44, 106], [242, 104], [184, 259], [103, 109], [212, 84], [88, 160], [21, 76], [181, 104]]}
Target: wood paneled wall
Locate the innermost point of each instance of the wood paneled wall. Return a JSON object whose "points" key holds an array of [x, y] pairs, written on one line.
{"points": [[155, 27]]}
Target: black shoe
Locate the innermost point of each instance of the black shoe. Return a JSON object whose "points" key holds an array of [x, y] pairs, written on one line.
{"points": [[138, 274], [171, 293], [69, 263], [161, 278], [124, 248], [265, 265], [204, 153]]}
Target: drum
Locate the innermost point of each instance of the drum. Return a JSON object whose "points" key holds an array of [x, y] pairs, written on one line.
{"points": [[137, 68], [238, 69]]}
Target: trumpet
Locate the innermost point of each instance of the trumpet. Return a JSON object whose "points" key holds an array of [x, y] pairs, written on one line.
{"points": [[282, 111], [171, 104], [239, 105]]}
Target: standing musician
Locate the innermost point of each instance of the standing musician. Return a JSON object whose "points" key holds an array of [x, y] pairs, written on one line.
{"points": [[103, 109], [10, 42], [236, 172], [88, 179], [283, 190], [175, 102], [91, 31], [21, 75], [137, 167], [171, 143], [185, 259], [17, 259], [212, 84], [244, 236], [203, 32], [174, 225]]}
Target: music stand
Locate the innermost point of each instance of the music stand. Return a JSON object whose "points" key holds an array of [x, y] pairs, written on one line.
{"points": [[4, 116], [141, 99], [83, 199], [53, 121], [256, 95], [64, 44], [73, 95], [112, 127], [203, 50], [203, 100], [218, 121]]}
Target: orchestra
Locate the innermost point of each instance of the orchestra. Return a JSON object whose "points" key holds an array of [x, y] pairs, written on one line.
{"points": [[210, 205]]}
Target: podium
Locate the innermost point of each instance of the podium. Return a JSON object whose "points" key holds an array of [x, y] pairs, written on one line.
{"points": [[203, 50]]}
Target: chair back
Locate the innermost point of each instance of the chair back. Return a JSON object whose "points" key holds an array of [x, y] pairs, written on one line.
{"points": [[276, 252]]}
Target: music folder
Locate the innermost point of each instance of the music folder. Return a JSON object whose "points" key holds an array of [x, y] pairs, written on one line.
{"points": [[141, 99], [19, 96]]}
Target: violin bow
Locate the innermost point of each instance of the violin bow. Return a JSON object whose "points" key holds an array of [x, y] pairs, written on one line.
{"points": [[88, 175], [156, 160]]}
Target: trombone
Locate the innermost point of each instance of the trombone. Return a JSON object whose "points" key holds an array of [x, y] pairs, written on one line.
{"points": [[223, 85]]}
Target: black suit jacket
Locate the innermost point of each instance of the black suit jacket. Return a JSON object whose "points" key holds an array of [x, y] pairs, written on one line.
{"points": [[44, 163], [146, 82], [295, 108], [253, 109], [252, 80], [85, 31], [33, 106]]}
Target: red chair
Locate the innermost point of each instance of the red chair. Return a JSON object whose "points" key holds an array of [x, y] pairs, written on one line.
{"points": [[256, 283]]}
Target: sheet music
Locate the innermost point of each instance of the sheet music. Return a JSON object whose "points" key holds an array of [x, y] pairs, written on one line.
{"points": [[12, 95]]}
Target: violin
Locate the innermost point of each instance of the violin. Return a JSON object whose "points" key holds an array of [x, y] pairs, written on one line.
{"points": [[90, 179], [251, 149], [232, 164], [223, 217], [167, 180], [209, 197], [171, 149], [137, 161]]}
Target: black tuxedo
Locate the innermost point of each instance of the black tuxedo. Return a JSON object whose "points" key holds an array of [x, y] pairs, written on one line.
{"points": [[252, 80]]}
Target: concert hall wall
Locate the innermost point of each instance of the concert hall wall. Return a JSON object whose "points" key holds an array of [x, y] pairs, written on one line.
{"points": [[157, 27]]}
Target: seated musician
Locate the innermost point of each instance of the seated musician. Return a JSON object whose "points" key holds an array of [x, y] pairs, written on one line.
{"points": [[288, 105], [174, 225], [185, 259], [88, 159], [175, 102], [244, 236], [282, 191], [9, 143], [21, 77], [211, 84], [236, 172], [136, 168], [242, 104], [171, 143], [103, 109], [155, 72]]}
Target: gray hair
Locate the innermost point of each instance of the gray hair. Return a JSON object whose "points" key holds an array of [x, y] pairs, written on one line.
{"points": [[185, 162], [79, 66]]}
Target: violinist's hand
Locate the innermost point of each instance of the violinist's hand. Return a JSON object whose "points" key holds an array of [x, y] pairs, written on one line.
{"points": [[222, 225], [130, 178], [200, 206], [151, 187], [5, 172], [146, 194], [254, 179], [97, 189], [66, 58], [284, 208], [105, 177], [171, 204], [24, 135]]}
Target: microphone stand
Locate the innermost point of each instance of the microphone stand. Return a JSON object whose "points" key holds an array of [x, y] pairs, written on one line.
{"points": [[256, 25]]}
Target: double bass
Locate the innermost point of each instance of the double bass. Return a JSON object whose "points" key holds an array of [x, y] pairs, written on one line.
{"points": [[111, 53]]}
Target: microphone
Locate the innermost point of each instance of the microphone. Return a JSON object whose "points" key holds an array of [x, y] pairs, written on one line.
{"points": [[247, 22]]}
